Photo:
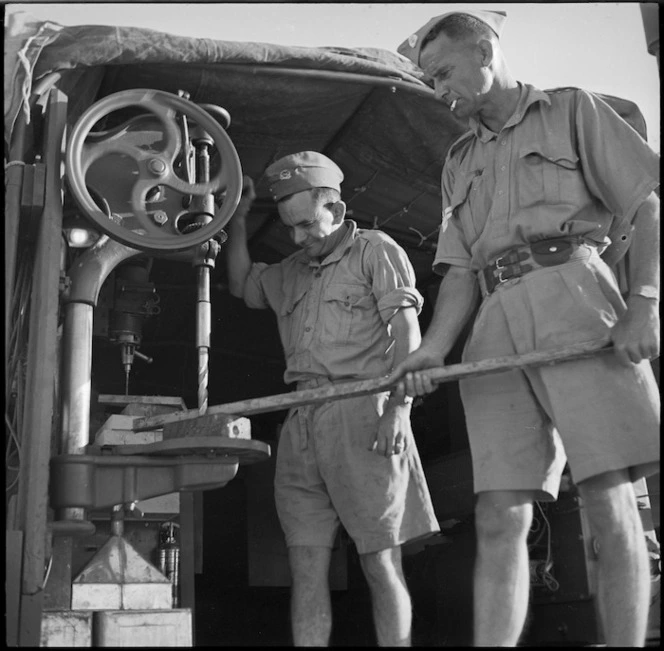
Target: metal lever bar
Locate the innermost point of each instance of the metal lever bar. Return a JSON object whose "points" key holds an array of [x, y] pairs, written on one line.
{"points": [[364, 387]]}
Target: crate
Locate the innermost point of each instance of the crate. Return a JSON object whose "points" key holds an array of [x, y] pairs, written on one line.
{"points": [[136, 628], [66, 628]]}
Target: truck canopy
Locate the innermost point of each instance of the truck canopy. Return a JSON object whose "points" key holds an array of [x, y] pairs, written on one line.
{"points": [[367, 109]]}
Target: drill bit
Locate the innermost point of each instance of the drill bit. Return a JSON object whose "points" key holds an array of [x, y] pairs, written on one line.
{"points": [[127, 351]]}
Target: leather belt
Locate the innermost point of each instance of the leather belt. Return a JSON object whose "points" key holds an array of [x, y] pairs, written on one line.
{"points": [[520, 260]]}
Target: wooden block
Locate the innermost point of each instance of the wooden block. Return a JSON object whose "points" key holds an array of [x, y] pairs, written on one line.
{"points": [[217, 425], [174, 403], [118, 430], [155, 628]]}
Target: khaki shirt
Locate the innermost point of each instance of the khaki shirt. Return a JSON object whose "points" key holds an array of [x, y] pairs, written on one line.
{"points": [[333, 316], [564, 164]]}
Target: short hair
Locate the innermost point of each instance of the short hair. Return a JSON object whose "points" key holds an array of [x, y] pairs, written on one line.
{"points": [[325, 195], [459, 27]]}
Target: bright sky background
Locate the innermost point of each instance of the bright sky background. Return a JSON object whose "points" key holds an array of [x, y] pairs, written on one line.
{"points": [[599, 46]]}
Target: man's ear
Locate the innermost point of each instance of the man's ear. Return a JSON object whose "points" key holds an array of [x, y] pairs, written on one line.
{"points": [[485, 47], [339, 211]]}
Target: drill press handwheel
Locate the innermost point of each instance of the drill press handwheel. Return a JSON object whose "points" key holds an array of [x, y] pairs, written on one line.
{"points": [[154, 230]]}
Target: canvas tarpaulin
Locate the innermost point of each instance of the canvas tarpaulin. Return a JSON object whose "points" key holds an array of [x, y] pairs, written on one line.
{"points": [[368, 109]]}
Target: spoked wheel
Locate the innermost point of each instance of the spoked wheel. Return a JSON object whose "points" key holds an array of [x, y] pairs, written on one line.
{"points": [[141, 166]]}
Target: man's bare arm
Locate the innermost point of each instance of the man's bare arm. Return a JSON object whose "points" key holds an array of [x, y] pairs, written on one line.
{"points": [[636, 335], [457, 299], [238, 262]]}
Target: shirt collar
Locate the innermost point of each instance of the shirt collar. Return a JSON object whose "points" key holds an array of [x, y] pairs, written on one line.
{"points": [[528, 95], [337, 254]]}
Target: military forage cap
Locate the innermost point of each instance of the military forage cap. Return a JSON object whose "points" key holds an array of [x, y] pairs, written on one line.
{"points": [[411, 47], [298, 172]]}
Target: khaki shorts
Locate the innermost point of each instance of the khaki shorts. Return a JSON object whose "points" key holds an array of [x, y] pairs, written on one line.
{"points": [[594, 413], [326, 474]]}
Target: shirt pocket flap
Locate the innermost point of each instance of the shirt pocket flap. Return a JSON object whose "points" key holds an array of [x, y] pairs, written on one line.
{"points": [[291, 301], [348, 295], [554, 152], [462, 188]]}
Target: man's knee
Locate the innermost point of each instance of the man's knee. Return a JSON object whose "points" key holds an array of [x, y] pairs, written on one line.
{"points": [[503, 515], [610, 502], [309, 564], [381, 566]]}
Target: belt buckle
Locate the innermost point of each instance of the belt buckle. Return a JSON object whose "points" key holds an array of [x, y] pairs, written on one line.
{"points": [[500, 268]]}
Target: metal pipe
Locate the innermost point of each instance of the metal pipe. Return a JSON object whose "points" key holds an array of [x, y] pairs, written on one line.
{"points": [[203, 263], [77, 370], [76, 383], [117, 520]]}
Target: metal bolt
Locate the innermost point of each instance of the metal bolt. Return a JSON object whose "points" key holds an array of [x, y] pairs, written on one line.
{"points": [[160, 217], [157, 166]]}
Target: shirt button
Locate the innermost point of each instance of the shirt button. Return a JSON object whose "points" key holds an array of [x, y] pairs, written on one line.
{"points": [[502, 169], [500, 191], [307, 329], [503, 142], [317, 274]]}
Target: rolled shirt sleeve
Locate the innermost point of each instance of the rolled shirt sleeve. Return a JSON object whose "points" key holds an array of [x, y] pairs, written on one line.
{"points": [[452, 248], [393, 279], [254, 295], [398, 299], [619, 167]]}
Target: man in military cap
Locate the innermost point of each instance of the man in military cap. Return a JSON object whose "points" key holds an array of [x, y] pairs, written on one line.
{"points": [[530, 194], [346, 308]]}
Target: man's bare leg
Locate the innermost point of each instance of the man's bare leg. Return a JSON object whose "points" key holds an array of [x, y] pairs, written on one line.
{"points": [[390, 599], [311, 610], [502, 575], [623, 581]]}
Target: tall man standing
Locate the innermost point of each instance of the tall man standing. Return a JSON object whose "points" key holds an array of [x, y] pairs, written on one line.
{"points": [[346, 308], [530, 194]]}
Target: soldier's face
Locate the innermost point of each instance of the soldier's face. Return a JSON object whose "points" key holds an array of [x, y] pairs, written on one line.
{"points": [[310, 223], [458, 74]]}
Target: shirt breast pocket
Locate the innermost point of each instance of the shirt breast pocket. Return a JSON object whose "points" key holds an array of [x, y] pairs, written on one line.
{"points": [[548, 173], [344, 309], [290, 320], [469, 204]]}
